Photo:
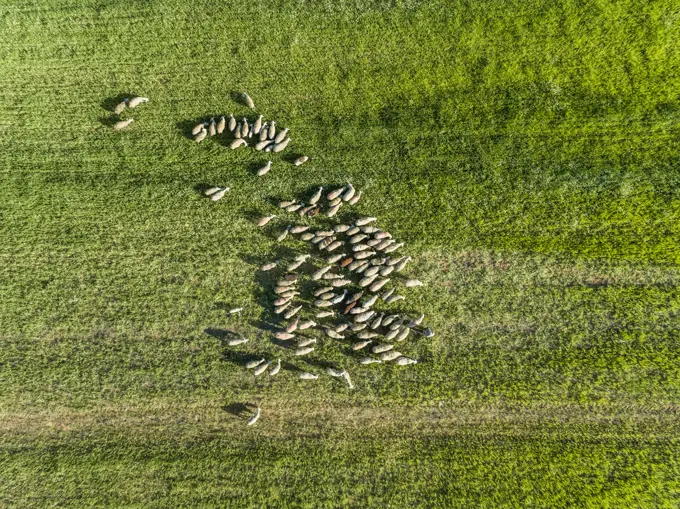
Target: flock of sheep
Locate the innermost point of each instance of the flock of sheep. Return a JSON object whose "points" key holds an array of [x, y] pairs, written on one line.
{"points": [[359, 267]]}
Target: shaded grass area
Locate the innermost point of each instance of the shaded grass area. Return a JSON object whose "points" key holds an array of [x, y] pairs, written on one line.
{"points": [[526, 151], [487, 465]]}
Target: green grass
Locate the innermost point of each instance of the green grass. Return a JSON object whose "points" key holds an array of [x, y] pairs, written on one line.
{"points": [[526, 152]]}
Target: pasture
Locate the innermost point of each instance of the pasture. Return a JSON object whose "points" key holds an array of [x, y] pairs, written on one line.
{"points": [[526, 152]]}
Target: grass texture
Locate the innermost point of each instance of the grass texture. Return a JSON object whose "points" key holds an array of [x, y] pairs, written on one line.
{"points": [[526, 152]]}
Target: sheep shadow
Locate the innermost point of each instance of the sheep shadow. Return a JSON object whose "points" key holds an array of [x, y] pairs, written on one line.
{"points": [[108, 121], [111, 102], [240, 410]]}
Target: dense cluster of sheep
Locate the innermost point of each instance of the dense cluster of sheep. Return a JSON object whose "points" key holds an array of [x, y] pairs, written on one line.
{"points": [[358, 270]]}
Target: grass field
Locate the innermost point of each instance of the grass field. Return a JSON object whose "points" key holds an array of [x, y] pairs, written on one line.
{"points": [[527, 152]]}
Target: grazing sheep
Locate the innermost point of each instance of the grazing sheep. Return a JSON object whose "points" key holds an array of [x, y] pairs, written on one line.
{"points": [[320, 291], [334, 194], [136, 101], [299, 229], [254, 363], [319, 273], [382, 348], [376, 323], [375, 287], [291, 327], [362, 255], [362, 221], [262, 145], [122, 124], [118, 109], [363, 317], [265, 169], [281, 136], [389, 356], [416, 321], [261, 368], [303, 351], [278, 147], [257, 126], [275, 370], [335, 372], [219, 194], [334, 258], [282, 236], [198, 128], [332, 334], [306, 342], [403, 334], [292, 312], [400, 266], [356, 199], [249, 102], [265, 220], [255, 417], [394, 298], [280, 309], [405, 361], [235, 342], [361, 344], [238, 142], [307, 324], [316, 196], [386, 295]]}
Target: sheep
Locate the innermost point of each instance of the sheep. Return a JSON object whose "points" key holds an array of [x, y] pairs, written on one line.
{"points": [[389, 356], [254, 363], [275, 370], [265, 169], [306, 342], [290, 314], [118, 109], [261, 368], [303, 351], [255, 417], [416, 321], [221, 125], [291, 327], [404, 361], [263, 222], [136, 101], [122, 124], [249, 102], [382, 348], [362, 221]]}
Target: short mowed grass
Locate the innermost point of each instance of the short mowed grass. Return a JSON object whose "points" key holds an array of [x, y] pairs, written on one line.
{"points": [[526, 152]]}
